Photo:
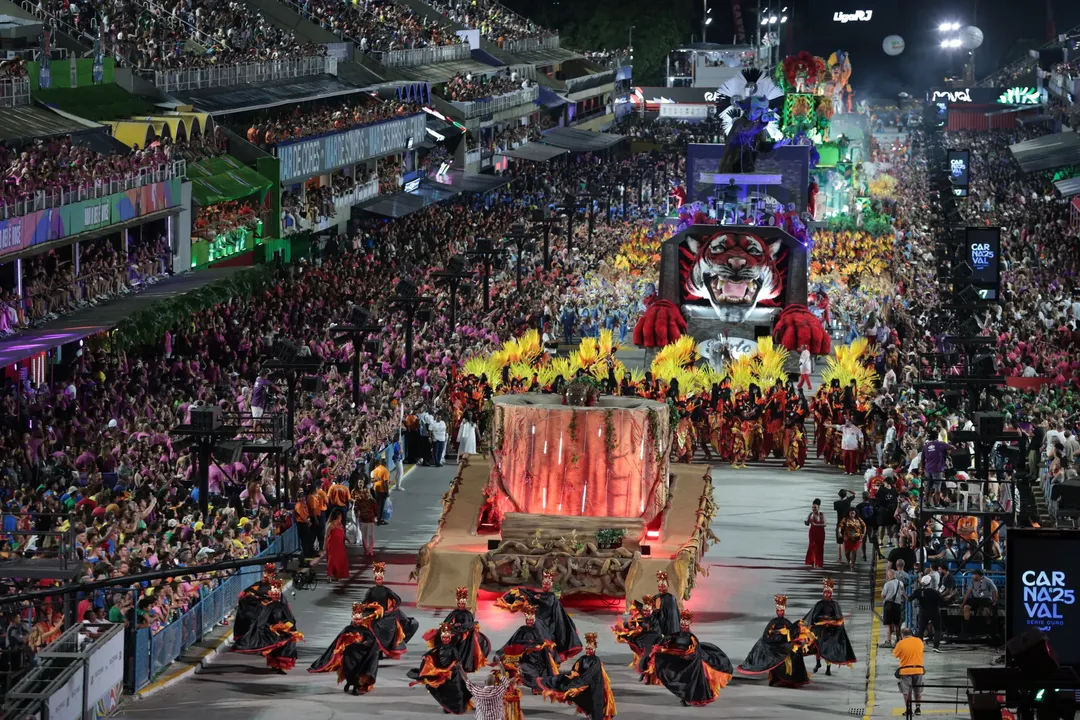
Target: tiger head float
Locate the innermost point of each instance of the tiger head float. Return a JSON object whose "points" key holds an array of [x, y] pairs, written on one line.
{"points": [[733, 271]]}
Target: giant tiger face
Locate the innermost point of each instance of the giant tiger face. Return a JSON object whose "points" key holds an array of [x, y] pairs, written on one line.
{"points": [[733, 268]]}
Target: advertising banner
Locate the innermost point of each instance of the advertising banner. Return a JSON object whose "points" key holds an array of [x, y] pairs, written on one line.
{"points": [[31, 229], [105, 677], [960, 171], [306, 158], [984, 256], [67, 702], [1040, 588]]}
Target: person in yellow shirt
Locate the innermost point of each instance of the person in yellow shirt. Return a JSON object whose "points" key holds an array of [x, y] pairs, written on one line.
{"points": [[910, 653], [380, 488]]}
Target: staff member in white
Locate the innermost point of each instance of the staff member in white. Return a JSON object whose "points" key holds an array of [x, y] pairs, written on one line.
{"points": [[851, 440], [438, 439], [806, 366]]}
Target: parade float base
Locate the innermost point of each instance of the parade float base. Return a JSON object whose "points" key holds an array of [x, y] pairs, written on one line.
{"points": [[457, 555]]}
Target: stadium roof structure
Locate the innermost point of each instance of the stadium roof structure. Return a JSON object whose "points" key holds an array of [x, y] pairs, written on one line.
{"points": [[580, 140], [1048, 152], [27, 121], [1068, 187], [535, 151], [241, 98]]}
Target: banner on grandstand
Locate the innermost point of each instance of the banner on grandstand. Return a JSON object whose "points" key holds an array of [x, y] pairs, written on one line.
{"points": [[21, 232], [1041, 580], [105, 677], [317, 156]]}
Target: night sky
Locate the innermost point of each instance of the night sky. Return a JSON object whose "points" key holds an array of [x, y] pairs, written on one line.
{"points": [[923, 63]]}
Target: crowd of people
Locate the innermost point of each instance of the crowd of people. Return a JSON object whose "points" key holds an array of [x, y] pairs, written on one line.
{"points": [[470, 88], [59, 170], [295, 122], [378, 25], [52, 287], [669, 131], [153, 37], [496, 22]]}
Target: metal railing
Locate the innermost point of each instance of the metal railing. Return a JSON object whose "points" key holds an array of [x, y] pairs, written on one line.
{"points": [[587, 82], [14, 92], [424, 56], [229, 75], [43, 200], [498, 103], [155, 652], [531, 44], [527, 71], [342, 51]]}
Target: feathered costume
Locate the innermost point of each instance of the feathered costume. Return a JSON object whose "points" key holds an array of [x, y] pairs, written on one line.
{"points": [[394, 629], [472, 645], [751, 122], [441, 673], [551, 618], [273, 633], [586, 685], [779, 652], [694, 671], [354, 653], [826, 621]]}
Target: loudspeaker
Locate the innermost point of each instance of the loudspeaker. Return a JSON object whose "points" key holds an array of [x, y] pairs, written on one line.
{"points": [[206, 419], [494, 543], [406, 288], [952, 400], [646, 550], [311, 384], [1032, 655], [990, 423], [228, 452], [985, 706]]}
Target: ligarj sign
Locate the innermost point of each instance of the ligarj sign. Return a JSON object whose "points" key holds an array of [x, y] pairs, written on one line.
{"points": [[857, 16]]}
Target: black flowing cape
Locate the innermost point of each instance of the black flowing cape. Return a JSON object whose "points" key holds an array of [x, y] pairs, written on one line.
{"points": [[694, 671], [641, 634], [826, 621], [472, 646], [586, 685], [248, 607], [531, 654], [394, 629], [440, 672], [779, 652], [666, 613], [273, 635], [552, 619], [354, 656]]}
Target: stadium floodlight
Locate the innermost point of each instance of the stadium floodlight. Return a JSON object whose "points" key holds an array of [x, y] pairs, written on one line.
{"points": [[708, 21], [764, 20], [772, 19], [783, 18], [949, 27]]}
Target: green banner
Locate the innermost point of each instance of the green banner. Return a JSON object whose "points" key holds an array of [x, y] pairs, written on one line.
{"points": [[63, 77], [121, 207]]}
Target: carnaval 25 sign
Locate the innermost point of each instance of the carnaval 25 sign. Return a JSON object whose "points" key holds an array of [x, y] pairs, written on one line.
{"points": [[317, 156], [1040, 588], [1017, 95]]}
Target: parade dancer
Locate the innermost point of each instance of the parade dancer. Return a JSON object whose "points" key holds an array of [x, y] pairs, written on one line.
{"points": [[694, 671], [471, 644], [353, 655], [252, 600], [779, 651], [826, 622], [641, 634], [528, 653], [551, 618], [586, 685], [666, 607], [394, 629], [440, 672], [815, 553], [273, 634]]}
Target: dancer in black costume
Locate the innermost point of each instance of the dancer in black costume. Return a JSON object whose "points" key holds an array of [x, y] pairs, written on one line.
{"points": [[472, 645], [586, 685], [551, 618], [694, 671], [826, 621], [394, 629], [780, 650], [251, 600], [666, 606], [528, 653], [273, 634], [440, 672], [641, 634], [354, 654]]}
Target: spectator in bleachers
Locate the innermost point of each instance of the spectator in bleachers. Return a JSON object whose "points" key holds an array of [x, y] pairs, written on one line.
{"points": [[295, 122], [378, 25], [496, 22], [468, 88]]}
